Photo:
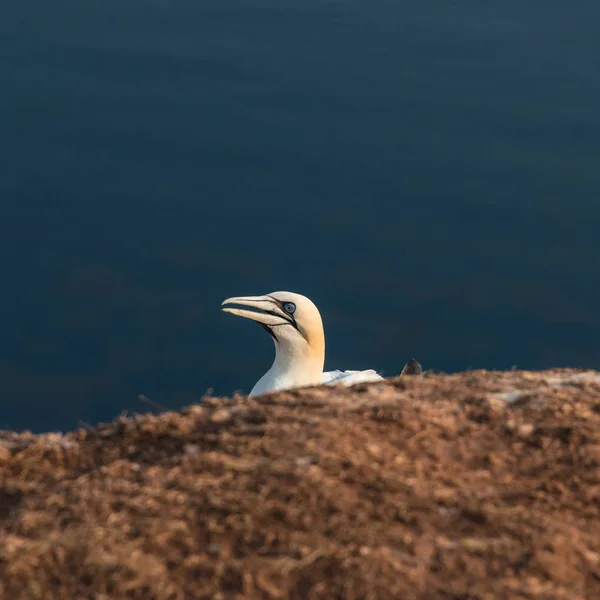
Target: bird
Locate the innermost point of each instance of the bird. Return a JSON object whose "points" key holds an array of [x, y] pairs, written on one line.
{"points": [[412, 367], [295, 325]]}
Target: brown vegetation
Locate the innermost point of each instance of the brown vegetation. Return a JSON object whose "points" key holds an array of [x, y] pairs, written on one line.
{"points": [[479, 485]]}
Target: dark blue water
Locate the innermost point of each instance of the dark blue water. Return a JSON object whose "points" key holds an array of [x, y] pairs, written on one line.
{"points": [[428, 172]]}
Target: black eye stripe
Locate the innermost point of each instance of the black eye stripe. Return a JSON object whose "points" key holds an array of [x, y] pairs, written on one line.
{"points": [[289, 316]]}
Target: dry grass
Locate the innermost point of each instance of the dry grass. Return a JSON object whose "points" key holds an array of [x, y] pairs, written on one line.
{"points": [[479, 485]]}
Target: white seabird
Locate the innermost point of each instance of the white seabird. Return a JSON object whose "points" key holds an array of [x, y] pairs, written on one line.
{"points": [[295, 325]]}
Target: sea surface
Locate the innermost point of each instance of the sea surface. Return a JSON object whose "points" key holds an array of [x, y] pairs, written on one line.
{"points": [[427, 171]]}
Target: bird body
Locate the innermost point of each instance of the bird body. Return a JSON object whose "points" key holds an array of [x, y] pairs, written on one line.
{"points": [[295, 325], [350, 377]]}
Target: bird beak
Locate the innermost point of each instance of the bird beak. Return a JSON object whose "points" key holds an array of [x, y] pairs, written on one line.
{"points": [[262, 309]]}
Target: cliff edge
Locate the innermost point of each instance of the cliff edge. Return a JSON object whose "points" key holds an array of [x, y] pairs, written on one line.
{"points": [[478, 485]]}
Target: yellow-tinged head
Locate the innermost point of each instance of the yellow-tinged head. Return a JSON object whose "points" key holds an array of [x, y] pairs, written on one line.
{"points": [[292, 320]]}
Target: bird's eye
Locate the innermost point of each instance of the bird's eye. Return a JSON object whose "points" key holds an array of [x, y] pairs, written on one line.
{"points": [[289, 308]]}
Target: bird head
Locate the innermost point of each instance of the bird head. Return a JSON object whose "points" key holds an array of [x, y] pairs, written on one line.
{"points": [[292, 320]]}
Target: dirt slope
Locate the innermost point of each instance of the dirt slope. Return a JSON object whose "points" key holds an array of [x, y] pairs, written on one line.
{"points": [[480, 485]]}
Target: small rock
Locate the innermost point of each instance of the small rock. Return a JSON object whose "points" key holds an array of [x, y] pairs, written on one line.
{"points": [[221, 416], [191, 449], [305, 461], [374, 450], [214, 549], [526, 430]]}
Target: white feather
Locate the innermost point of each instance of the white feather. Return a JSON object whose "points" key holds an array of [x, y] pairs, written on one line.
{"points": [[350, 377]]}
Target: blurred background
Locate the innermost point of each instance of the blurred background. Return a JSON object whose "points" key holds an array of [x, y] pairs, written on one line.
{"points": [[428, 172]]}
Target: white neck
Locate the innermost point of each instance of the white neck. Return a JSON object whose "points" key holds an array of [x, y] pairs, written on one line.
{"points": [[295, 365]]}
